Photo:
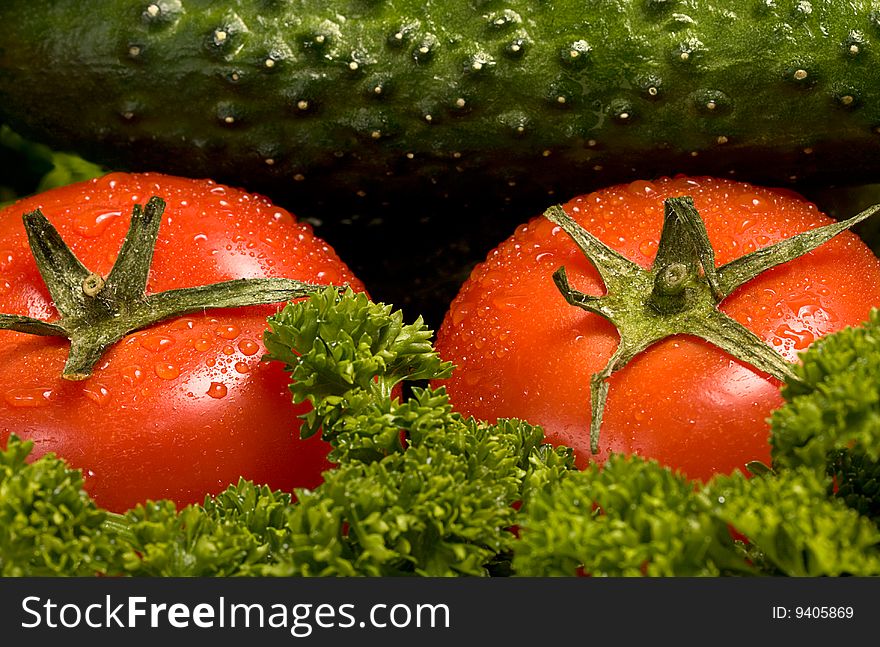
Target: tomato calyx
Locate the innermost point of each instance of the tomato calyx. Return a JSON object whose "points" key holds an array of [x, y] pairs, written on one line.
{"points": [[680, 293], [96, 312]]}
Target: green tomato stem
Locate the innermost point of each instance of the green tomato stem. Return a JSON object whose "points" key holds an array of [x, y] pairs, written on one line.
{"points": [[95, 313], [680, 293]]}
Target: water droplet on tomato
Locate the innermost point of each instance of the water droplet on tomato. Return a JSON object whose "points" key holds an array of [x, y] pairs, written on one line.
{"points": [[648, 247], [228, 332], [184, 324], [750, 201], [97, 393], [5, 259], [248, 347], [641, 188], [198, 238], [93, 225], [744, 224], [543, 256], [201, 344], [799, 339], [28, 397], [459, 313], [155, 343], [814, 315], [542, 228], [217, 390], [5, 286], [132, 374], [167, 371], [242, 367]]}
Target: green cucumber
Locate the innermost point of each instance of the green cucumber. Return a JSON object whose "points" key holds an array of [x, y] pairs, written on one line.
{"points": [[352, 99], [348, 108]]}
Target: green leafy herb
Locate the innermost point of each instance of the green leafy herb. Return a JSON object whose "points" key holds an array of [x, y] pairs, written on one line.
{"points": [[48, 525], [831, 421], [420, 490], [794, 528], [632, 517]]}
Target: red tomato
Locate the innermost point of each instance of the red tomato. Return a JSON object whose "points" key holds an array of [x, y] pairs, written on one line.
{"points": [[522, 351], [185, 407]]}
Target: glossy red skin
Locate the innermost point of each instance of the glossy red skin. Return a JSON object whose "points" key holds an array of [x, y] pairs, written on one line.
{"points": [[522, 351], [185, 407]]}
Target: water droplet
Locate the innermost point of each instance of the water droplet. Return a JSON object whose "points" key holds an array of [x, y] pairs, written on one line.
{"points": [[167, 371], [750, 201], [5, 259], [459, 313], [228, 332], [798, 339], [28, 397], [201, 344], [248, 347], [648, 247], [155, 343], [91, 225], [132, 374], [641, 188], [744, 224], [217, 390], [184, 324], [543, 256], [242, 367], [97, 393], [228, 350], [198, 238]]}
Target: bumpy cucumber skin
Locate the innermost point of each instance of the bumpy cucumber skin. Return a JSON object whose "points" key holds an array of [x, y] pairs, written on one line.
{"points": [[362, 100], [354, 110]]}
